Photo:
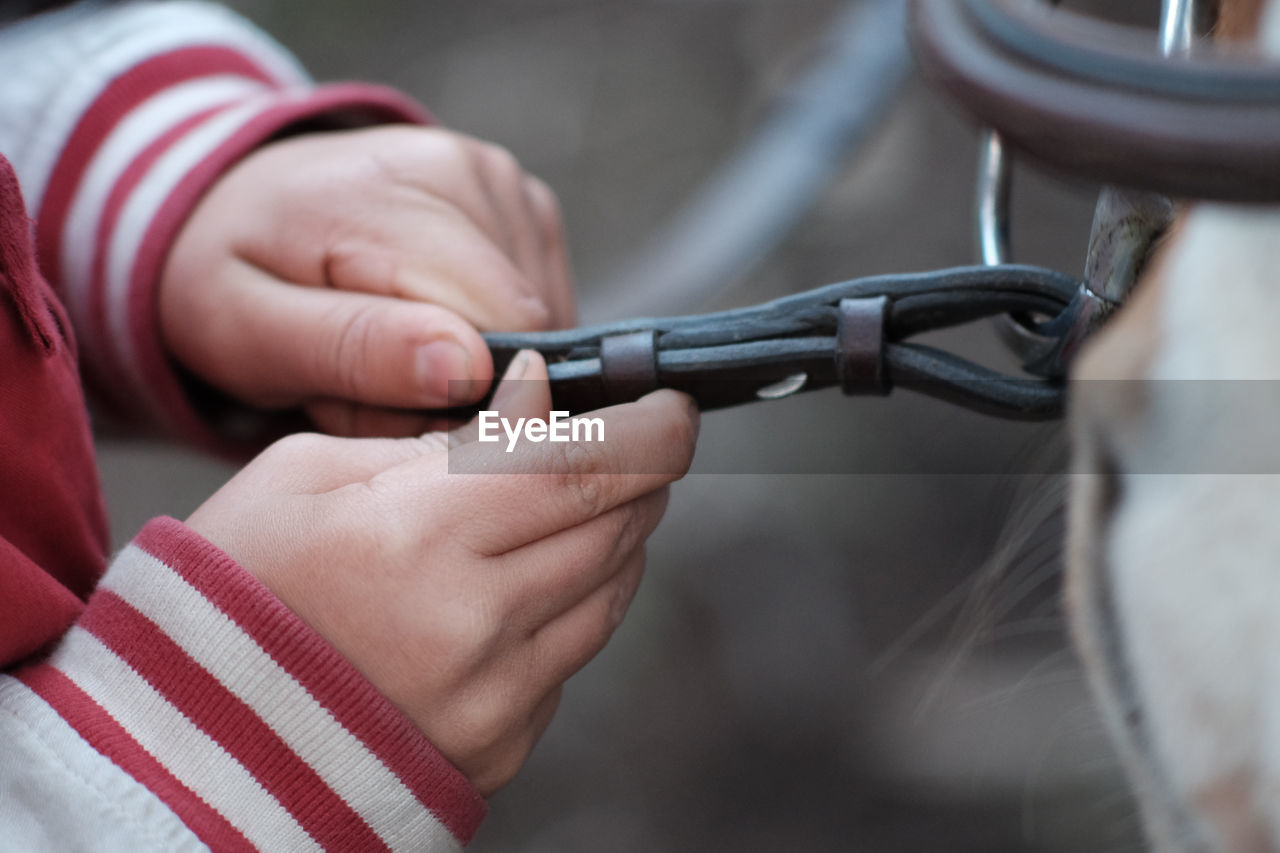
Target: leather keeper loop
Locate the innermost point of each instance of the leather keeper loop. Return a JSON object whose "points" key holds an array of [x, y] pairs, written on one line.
{"points": [[860, 345], [629, 365]]}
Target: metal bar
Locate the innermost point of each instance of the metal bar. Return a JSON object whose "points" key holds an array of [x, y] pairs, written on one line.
{"points": [[762, 191], [1129, 219], [1179, 26], [994, 185]]}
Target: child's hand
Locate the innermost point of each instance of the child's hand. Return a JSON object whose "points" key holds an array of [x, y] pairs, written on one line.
{"points": [[345, 271], [467, 599]]}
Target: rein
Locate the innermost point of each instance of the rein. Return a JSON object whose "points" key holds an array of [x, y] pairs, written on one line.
{"points": [[1090, 98], [853, 334]]}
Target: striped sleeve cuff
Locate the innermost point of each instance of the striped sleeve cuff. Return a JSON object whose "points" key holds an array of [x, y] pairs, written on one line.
{"points": [[188, 674], [146, 125]]}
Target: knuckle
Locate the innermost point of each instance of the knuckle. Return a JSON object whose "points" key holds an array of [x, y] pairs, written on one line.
{"points": [[641, 521], [624, 523], [296, 450], [499, 161], [459, 154], [359, 263], [546, 207], [429, 160], [341, 258], [350, 356], [411, 150], [387, 529], [586, 492], [619, 604], [585, 478], [628, 526], [534, 315], [606, 537], [543, 197], [621, 593], [458, 144]]}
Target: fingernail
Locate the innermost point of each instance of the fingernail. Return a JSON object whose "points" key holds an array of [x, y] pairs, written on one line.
{"points": [[516, 369], [695, 416], [439, 362]]}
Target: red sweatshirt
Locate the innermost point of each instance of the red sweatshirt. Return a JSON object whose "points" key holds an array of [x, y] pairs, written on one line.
{"points": [[169, 701]]}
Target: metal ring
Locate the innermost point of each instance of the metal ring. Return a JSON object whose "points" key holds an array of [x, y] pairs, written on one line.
{"points": [[1044, 348]]}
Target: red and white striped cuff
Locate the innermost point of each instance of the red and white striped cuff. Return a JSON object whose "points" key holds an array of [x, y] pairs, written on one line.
{"points": [[133, 166], [188, 674]]}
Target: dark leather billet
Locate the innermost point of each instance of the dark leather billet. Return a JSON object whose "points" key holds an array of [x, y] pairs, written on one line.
{"points": [[860, 345], [629, 365]]}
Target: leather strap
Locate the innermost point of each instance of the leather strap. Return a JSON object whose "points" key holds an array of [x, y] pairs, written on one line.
{"points": [[860, 345], [852, 334], [629, 365]]}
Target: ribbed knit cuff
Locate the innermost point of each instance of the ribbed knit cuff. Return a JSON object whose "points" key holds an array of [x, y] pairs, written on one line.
{"points": [[187, 673], [133, 170]]}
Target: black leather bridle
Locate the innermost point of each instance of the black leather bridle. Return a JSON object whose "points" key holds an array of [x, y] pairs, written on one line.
{"points": [[1093, 99], [854, 334]]}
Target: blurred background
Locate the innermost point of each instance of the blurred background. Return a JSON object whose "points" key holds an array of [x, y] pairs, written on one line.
{"points": [[849, 637]]}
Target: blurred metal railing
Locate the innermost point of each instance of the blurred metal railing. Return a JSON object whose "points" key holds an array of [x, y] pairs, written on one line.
{"points": [[763, 189]]}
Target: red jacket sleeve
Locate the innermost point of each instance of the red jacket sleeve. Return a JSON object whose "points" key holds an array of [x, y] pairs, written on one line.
{"points": [[231, 719], [117, 119], [189, 675], [173, 696]]}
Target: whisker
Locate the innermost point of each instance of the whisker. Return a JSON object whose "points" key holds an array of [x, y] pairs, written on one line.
{"points": [[1026, 627], [918, 629], [1039, 676]]}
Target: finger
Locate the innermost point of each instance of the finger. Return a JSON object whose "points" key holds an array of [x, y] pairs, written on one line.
{"points": [[278, 344], [638, 447], [547, 578], [426, 251], [441, 165], [384, 440], [311, 463], [567, 644], [523, 392], [555, 254], [504, 182], [492, 169], [356, 420], [518, 213]]}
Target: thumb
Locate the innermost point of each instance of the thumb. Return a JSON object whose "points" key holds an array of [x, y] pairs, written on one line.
{"points": [[524, 392], [286, 344]]}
